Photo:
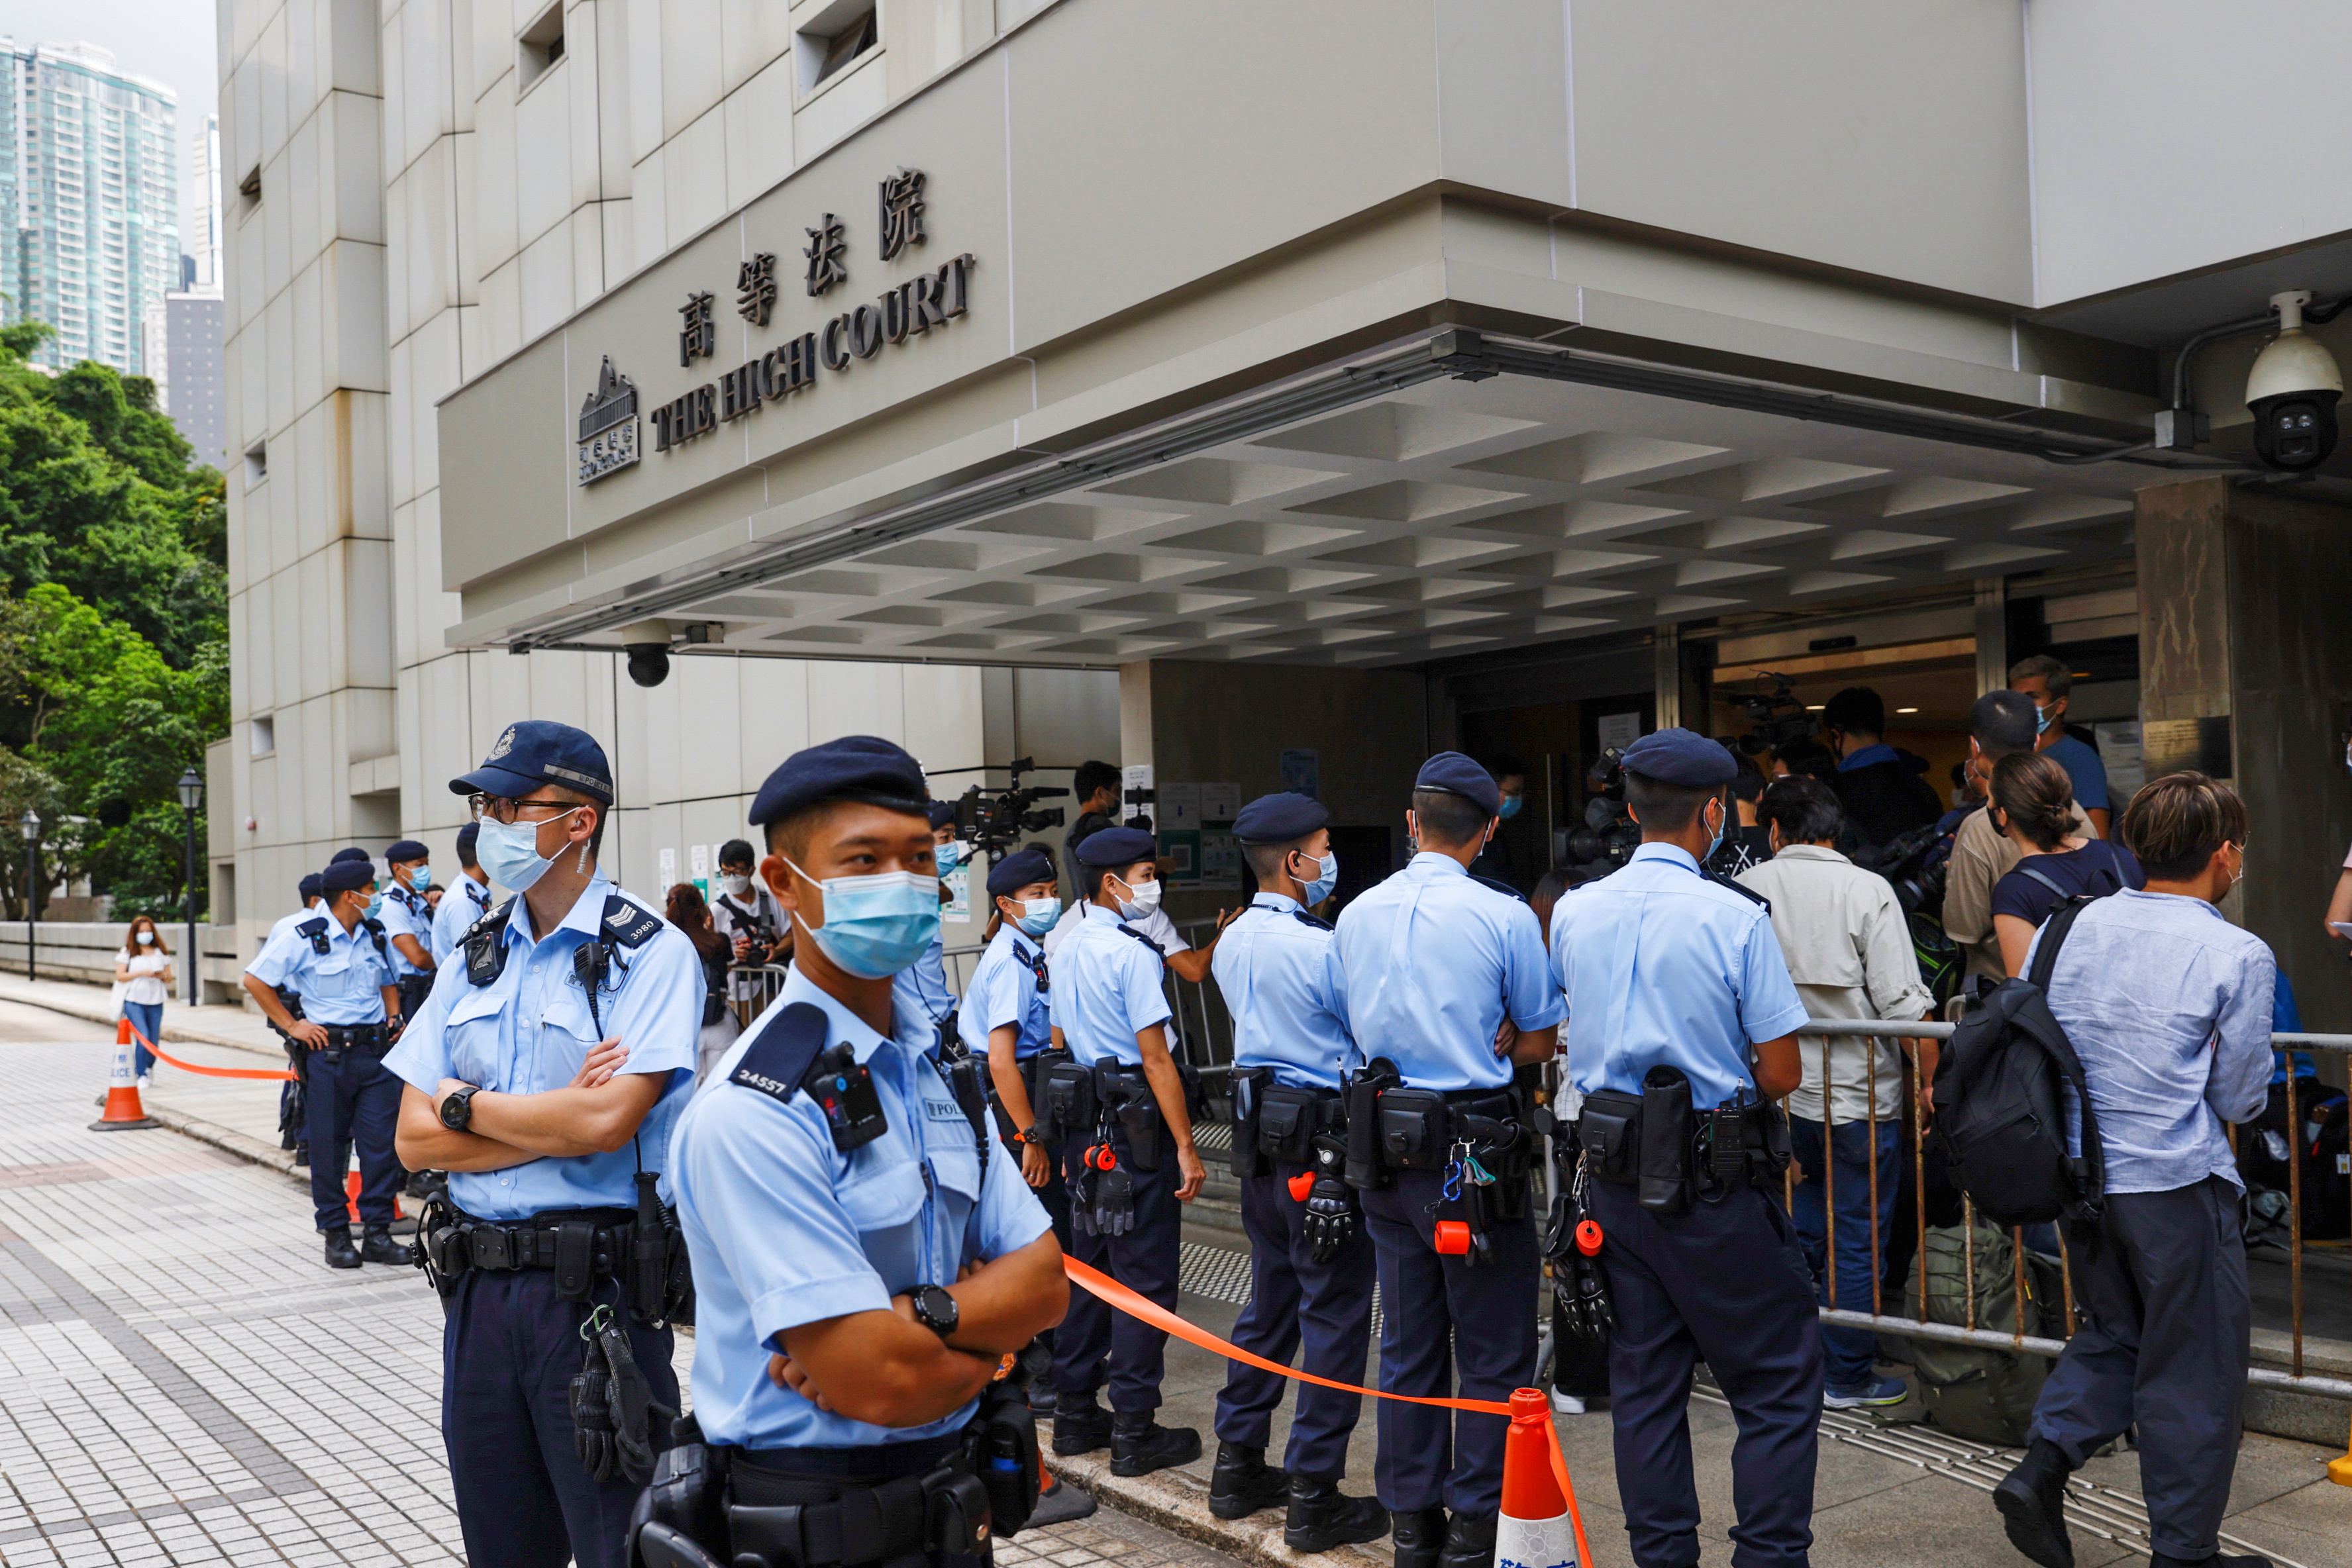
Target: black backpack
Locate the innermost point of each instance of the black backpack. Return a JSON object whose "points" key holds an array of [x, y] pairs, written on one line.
{"points": [[2000, 1110]]}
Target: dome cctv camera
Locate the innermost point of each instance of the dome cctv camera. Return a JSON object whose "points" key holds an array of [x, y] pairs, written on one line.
{"points": [[2292, 392], [647, 643]]}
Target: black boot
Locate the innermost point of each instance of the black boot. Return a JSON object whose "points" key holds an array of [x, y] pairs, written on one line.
{"points": [[1322, 1517], [1080, 1425], [1042, 1398], [2217, 1560], [340, 1253], [2031, 1499], [1469, 1542], [1138, 1444], [1420, 1536], [376, 1246], [1244, 1482]]}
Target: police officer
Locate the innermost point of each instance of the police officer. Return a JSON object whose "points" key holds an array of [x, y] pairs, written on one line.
{"points": [[922, 986], [338, 963], [1310, 1257], [1006, 1019], [1437, 962], [1679, 1002], [292, 1110], [408, 921], [861, 1265], [544, 1074], [1130, 1161], [467, 900], [312, 891]]}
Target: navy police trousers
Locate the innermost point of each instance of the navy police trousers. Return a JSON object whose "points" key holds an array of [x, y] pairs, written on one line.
{"points": [[1294, 1298], [353, 1100], [510, 1350], [1724, 1283], [1449, 1328], [1145, 1261]]}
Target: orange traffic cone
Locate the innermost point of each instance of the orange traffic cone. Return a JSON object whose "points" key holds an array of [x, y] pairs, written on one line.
{"points": [[351, 1197], [2340, 1470], [1535, 1529], [124, 1112]]}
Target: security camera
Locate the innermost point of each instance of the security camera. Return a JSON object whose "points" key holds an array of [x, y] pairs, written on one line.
{"points": [[647, 643], [2292, 391]]}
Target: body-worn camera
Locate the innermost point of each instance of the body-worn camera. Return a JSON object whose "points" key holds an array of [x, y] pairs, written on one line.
{"points": [[992, 823]]}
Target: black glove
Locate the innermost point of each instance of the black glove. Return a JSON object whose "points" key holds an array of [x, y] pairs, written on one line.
{"points": [[1082, 1199], [1330, 1202], [1584, 1291], [1114, 1202]]}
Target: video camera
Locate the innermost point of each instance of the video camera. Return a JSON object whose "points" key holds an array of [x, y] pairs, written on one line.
{"points": [[992, 824], [1916, 865], [1775, 718], [1609, 834]]}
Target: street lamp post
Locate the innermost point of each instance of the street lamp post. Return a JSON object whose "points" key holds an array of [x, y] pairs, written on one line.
{"points": [[192, 795], [29, 824]]}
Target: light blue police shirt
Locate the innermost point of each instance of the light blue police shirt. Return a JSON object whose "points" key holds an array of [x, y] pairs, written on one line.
{"points": [[465, 902], [285, 923], [784, 1229], [1434, 960], [921, 988], [1105, 986], [1279, 971], [342, 985], [529, 1030], [1661, 965], [406, 913], [1003, 990]]}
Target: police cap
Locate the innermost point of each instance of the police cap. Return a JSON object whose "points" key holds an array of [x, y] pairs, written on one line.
{"points": [[468, 837], [537, 752], [942, 814], [1683, 758], [344, 875], [1455, 774], [863, 767], [353, 853], [1018, 869], [311, 886], [1117, 846], [405, 850], [1279, 819]]}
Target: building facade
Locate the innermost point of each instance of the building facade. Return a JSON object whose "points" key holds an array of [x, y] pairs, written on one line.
{"points": [[1510, 375], [197, 395], [90, 193]]}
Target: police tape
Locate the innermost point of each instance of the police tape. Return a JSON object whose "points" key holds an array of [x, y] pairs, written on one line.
{"points": [[1114, 1294], [275, 1074]]}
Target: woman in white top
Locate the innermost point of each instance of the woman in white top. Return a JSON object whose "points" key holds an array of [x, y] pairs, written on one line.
{"points": [[144, 970]]}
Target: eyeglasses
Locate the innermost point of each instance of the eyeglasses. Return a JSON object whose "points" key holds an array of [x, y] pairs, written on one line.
{"points": [[501, 809]]}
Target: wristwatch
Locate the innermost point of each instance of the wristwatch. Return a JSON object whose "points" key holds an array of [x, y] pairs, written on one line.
{"points": [[1027, 1135], [936, 1309], [457, 1109]]}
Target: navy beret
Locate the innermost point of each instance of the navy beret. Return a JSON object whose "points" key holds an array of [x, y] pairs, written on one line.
{"points": [[1682, 756], [1458, 775], [537, 752], [1018, 869], [1117, 846], [353, 854], [942, 814], [344, 875], [468, 837], [311, 886], [405, 850], [855, 767], [1279, 819]]}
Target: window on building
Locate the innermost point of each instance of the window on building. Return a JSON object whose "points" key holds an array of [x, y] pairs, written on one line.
{"points": [[539, 47], [264, 733], [257, 464], [249, 188], [835, 38]]}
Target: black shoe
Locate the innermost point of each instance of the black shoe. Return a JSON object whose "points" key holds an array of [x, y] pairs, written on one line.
{"points": [[378, 1246], [1042, 1400], [1322, 1517], [1420, 1536], [2031, 1499], [1469, 1542], [1138, 1444], [340, 1253], [1080, 1425], [1244, 1482], [2216, 1560]]}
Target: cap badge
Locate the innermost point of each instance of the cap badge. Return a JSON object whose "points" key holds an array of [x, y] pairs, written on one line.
{"points": [[505, 744]]}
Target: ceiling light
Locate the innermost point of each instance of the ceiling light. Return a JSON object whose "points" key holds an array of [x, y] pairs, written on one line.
{"points": [[1815, 708], [1906, 710]]}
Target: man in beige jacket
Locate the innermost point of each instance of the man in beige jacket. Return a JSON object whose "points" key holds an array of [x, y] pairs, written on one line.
{"points": [[2000, 724]]}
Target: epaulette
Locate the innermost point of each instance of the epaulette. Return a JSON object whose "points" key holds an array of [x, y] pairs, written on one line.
{"points": [[1504, 888], [776, 1062], [314, 929], [1148, 942], [486, 949], [630, 923], [1741, 888], [1301, 915]]}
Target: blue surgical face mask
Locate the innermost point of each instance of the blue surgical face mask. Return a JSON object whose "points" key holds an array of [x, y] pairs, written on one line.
{"points": [[420, 878], [1327, 877], [949, 856], [375, 906], [509, 852], [1511, 804], [1038, 914], [1715, 844], [2041, 716], [874, 926]]}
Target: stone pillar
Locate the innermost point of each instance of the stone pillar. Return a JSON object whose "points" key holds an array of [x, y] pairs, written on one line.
{"points": [[1992, 635], [2243, 594]]}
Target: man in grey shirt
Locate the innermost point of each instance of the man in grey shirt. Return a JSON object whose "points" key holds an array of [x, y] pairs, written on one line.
{"points": [[2168, 1007]]}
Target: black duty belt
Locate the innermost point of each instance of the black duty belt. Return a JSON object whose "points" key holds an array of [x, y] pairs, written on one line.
{"points": [[368, 1038], [587, 1243], [812, 1508]]}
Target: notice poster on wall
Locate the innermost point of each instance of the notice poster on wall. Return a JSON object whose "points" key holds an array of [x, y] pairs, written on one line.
{"points": [[1180, 808], [699, 859], [1619, 729], [1220, 802], [1220, 862], [668, 869], [2120, 754], [958, 908], [1180, 853], [1301, 770]]}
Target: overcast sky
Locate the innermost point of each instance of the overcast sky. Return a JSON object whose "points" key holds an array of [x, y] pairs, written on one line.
{"points": [[172, 41]]}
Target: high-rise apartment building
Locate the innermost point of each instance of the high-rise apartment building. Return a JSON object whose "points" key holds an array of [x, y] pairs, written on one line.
{"points": [[89, 198], [205, 206], [197, 396]]}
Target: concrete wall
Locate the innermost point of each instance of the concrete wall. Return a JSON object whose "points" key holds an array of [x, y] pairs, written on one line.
{"points": [[84, 951]]}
